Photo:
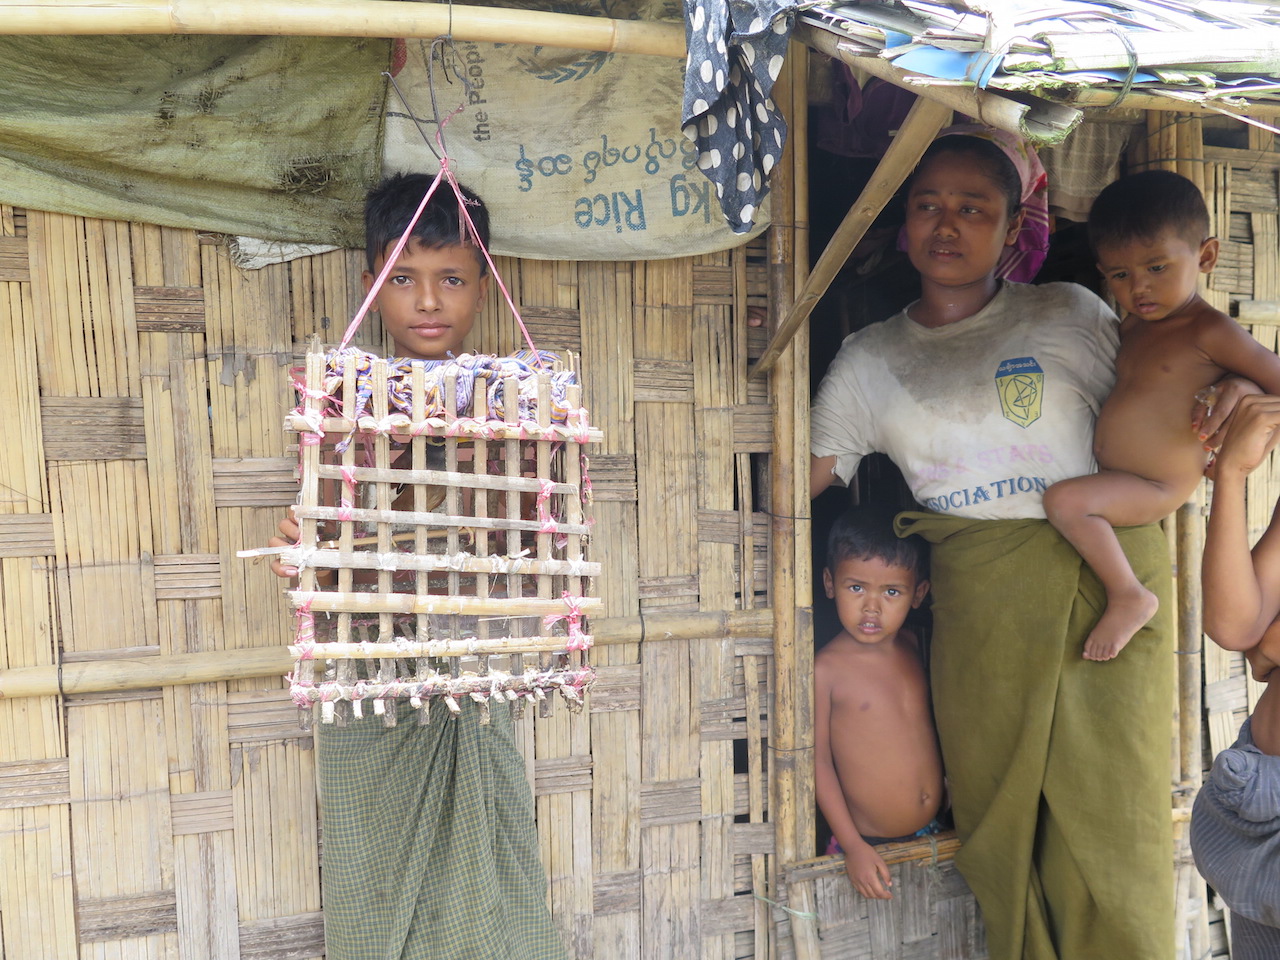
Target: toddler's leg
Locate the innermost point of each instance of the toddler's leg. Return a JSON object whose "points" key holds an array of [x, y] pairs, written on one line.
{"points": [[1084, 510]]}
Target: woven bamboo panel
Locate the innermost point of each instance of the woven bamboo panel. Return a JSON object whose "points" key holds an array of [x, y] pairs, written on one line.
{"points": [[148, 376], [932, 913]]}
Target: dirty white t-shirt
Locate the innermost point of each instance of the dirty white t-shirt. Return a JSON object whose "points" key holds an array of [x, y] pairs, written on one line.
{"points": [[981, 415]]}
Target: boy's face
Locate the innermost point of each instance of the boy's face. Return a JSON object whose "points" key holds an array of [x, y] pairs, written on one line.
{"points": [[1157, 278], [958, 221], [872, 597], [430, 298]]}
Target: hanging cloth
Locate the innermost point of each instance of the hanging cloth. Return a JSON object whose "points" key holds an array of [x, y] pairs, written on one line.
{"points": [[736, 52]]}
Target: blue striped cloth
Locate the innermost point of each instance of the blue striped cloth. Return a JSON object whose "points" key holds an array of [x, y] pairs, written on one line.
{"points": [[1235, 836]]}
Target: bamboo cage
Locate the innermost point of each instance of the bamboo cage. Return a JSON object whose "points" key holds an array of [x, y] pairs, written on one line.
{"points": [[471, 577]]}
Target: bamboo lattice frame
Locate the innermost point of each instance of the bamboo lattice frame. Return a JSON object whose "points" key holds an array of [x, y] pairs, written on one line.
{"points": [[475, 467]]}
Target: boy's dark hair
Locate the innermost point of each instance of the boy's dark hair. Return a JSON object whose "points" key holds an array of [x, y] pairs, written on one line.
{"points": [[866, 533], [390, 206], [1143, 205], [995, 164]]}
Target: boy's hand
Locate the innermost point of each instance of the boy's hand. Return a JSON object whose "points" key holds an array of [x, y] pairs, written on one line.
{"points": [[287, 536], [868, 872]]}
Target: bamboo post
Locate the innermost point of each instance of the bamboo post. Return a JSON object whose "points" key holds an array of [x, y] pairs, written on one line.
{"points": [[341, 18], [791, 784], [922, 124]]}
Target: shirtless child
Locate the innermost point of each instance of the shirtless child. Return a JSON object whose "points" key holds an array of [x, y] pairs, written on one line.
{"points": [[879, 772], [1150, 234]]}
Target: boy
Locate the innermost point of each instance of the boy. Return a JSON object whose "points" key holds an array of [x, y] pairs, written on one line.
{"points": [[1150, 234], [879, 772], [430, 847]]}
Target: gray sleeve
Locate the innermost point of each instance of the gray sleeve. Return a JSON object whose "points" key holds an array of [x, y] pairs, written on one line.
{"points": [[1098, 372]]}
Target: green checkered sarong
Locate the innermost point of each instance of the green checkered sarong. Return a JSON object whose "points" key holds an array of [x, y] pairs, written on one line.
{"points": [[430, 850]]}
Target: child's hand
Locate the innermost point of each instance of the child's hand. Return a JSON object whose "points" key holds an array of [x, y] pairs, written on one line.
{"points": [[287, 536], [868, 873], [1260, 664], [1215, 405], [1253, 433]]}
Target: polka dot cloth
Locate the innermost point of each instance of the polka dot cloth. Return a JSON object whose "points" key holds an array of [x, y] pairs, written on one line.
{"points": [[736, 48]]}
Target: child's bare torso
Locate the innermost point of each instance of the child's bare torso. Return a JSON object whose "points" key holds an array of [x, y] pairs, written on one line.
{"points": [[1144, 427], [882, 739]]}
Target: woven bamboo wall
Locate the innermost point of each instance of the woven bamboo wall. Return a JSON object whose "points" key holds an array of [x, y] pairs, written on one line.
{"points": [[145, 375]]}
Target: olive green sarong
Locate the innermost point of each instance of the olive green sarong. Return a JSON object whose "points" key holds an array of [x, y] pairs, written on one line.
{"points": [[430, 851], [1058, 766]]}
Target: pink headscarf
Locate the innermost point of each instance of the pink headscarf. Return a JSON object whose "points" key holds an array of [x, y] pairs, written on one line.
{"points": [[1021, 261]]}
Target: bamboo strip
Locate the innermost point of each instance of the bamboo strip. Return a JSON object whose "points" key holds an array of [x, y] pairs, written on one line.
{"points": [[407, 517], [449, 428], [459, 562], [444, 647], [478, 480], [357, 602], [343, 18]]}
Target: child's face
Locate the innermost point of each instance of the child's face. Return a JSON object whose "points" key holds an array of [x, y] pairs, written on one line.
{"points": [[958, 221], [872, 597], [430, 298], [1155, 279]]}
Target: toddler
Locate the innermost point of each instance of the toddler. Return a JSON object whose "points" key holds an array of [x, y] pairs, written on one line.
{"points": [[879, 771], [1150, 234]]}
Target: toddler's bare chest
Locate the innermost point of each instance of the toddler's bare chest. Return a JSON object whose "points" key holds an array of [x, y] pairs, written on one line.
{"points": [[1154, 371]]}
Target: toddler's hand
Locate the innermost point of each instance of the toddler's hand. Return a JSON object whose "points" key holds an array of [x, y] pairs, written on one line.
{"points": [[868, 873], [1260, 664]]}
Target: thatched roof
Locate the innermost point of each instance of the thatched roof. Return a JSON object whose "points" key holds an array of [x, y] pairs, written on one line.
{"points": [[1217, 55]]}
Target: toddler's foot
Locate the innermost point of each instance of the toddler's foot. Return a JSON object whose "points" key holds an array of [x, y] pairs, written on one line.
{"points": [[1126, 614]]}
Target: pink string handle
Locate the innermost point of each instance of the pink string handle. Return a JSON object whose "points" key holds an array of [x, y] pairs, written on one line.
{"points": [[445, 173], [577, 640], [347, 501]]}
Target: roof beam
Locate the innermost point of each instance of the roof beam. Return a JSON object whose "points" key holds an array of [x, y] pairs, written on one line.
{"points": [[1039, 121], [340, 18]]}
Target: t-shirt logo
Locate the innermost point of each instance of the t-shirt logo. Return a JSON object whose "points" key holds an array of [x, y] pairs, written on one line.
{"points": [[1020, 386]]}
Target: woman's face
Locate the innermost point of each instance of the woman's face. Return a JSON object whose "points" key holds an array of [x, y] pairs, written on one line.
{"points": [[958, 220]]}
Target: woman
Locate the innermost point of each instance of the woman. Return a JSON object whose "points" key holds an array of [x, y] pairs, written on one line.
{"points": [[1235, 824]]}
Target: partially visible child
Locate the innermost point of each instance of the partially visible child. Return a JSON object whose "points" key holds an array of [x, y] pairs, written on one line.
{"points": [[1235, 824], [879, 771], [1150, 234]]}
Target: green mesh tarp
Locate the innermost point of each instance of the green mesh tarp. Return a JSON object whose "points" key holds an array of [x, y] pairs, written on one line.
{"points": [[272, 137]]}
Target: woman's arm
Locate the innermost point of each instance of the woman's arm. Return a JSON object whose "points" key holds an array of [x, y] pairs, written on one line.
{"points": [[1241, 588], [821, 474]]}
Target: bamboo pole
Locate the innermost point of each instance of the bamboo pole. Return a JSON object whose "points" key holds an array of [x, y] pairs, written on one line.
{"points": [[341, 18], [791, 784], [922, 124], [99, 676], [1040, 121]]}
